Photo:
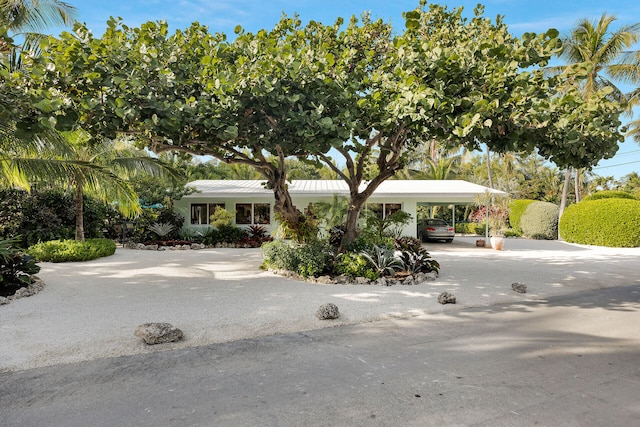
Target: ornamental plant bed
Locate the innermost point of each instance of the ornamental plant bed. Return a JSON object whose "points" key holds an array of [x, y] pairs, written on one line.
{"points": [[167, 242]]}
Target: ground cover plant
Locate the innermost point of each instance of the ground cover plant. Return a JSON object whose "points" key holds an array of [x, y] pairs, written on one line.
{"points": [[72, 250]]}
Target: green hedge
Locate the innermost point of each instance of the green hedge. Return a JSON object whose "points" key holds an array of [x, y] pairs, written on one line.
{"points": [[72, 250], [470, 228], [609, 194], [516, 209], [605, 222], [540, 221]]}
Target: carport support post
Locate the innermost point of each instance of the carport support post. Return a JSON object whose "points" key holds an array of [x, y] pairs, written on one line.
{"points": [[453, 215], [486, 224]]}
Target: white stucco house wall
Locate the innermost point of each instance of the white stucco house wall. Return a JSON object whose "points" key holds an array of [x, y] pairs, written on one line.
{"points": [[253, 204]]}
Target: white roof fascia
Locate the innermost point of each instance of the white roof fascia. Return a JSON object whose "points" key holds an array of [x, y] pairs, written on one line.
{"points": [[426, 190]]}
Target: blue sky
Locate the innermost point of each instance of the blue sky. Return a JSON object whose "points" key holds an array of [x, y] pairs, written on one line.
{"points": [[223, 15]]}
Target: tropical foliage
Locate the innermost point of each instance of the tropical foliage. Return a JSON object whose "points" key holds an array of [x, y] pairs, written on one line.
{"points": [[49, 214], [16, 268], [603, 53], [359, 101]]}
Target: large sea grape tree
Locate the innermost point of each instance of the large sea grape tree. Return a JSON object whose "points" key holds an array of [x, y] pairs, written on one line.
{"points": [[256, 101], [358, 91], [462, 81]]}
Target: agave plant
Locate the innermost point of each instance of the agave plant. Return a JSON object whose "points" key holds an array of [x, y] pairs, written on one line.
{"points": [[384, 260], [162, 228]]}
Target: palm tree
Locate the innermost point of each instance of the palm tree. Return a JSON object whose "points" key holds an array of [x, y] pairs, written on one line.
{"points": [[101, 169], [432, 160], [27, 19], [68, 159], [333, 213], [35, 15], [603, 51], [634, 100]]}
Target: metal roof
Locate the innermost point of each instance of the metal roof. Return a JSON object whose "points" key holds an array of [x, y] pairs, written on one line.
{"points": [[427, 190]]}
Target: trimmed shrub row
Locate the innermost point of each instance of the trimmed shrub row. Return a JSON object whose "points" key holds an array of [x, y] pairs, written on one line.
{"points": [[609, 194], [470, 228], [613, 222]]}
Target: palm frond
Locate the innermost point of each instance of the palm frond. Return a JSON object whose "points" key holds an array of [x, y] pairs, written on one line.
{"points": [[634, 130], [108, 187], [627, 70], [23, 171], [36, 15]]}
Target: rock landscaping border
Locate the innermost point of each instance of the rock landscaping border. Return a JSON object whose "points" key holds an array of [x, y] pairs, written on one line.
{"points": [[192, 246], [345, 280], [143, 247], [36, 286]]}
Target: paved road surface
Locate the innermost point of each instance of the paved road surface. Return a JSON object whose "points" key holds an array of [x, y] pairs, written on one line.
{"points": [[569, 360]]}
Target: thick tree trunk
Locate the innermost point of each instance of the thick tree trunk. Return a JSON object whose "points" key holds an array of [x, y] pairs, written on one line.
{"points": [[283, 207], [79, 213], [356, 204]]}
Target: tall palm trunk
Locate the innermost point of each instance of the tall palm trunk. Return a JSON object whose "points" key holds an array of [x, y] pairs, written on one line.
{"points": [[79, 212], [490, 176], [565, 190], [577, 185]]}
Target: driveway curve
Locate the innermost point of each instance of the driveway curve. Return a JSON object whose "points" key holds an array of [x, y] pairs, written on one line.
{"points": [[89, 310]]}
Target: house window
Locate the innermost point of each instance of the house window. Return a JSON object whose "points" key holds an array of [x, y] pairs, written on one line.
{"points": [[377, 209], [200, 212], [243, 213], [253, 213], [261, 213], [391, 208], [383, 210]]}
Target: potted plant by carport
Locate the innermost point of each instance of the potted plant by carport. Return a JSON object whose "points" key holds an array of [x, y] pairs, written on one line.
{"points": [[497, 240], [498, 216]]}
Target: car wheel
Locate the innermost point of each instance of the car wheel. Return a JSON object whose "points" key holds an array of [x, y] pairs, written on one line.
{"points": [[449, 240]]}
